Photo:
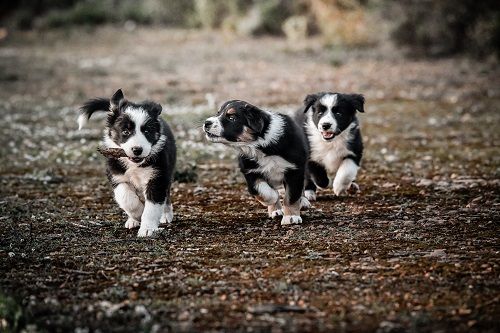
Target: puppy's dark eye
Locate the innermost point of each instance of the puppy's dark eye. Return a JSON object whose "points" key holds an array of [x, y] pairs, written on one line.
{"points": [[337, 113], [125, 133], [146, 131], [231, 117]]}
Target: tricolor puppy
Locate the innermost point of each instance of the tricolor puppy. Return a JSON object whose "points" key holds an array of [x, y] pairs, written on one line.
{"points": [[273, 151], [141, 181], [332, 128]]}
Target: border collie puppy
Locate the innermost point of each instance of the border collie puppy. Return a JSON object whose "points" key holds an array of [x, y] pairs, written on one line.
{"points": [[141, 181], [332, 128], [273, 151]]}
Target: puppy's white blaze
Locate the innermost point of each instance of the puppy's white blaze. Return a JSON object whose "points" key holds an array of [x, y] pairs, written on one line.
{"points": [[128, 200], [328, 118], [82, 121], [268, 194], [150, 218], [329, 100], [345, 176], [139, 117]]}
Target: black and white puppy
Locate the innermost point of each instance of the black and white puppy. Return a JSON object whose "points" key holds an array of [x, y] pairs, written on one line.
{"points": [[141, 181], [332, 128], [273, 152]]}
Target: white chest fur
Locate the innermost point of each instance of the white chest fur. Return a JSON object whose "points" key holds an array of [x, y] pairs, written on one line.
{"points": [[273, 167], [328, 153], [138, 177]]}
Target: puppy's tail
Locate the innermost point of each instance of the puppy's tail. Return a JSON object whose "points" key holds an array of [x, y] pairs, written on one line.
{"points": [[91, 106]]}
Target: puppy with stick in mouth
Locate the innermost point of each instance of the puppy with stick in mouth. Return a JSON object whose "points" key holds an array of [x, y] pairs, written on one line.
{"points": [[273, 152], [141, 153]]}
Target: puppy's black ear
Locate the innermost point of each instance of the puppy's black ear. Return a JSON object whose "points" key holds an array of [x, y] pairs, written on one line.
{"points": [[255, 118], [116, 100], [156, 109], [357, 101], [309, 101]]}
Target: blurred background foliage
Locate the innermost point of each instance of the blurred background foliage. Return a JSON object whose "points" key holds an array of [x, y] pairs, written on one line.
{"points": [[423, 27]]}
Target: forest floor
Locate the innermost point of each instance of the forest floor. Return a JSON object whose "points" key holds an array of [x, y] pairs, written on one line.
{"points": [[416, 251]]}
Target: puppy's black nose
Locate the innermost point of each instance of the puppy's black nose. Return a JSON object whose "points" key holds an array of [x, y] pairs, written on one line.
{"points": [[208, 123], [137, 150], [326, 126]]}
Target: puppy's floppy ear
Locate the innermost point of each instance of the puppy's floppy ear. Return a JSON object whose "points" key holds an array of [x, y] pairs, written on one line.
{"points": [[156, 109], [116, 100], [309, 101], [357, 101], [255, 118]]}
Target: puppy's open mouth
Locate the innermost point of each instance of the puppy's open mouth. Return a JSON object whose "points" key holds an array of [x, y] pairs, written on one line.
{"points": [[136, 159], [328, 135]]}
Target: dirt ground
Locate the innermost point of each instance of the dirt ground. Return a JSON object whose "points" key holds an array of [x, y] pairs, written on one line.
{"points": [[416, 251]]}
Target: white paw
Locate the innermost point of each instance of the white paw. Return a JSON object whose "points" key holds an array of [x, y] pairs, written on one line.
{"points": [[340, 189], [276, 213], [310, 195], [145, 232], [168, 215], [291, 219], [304, 203], [132, 223]]}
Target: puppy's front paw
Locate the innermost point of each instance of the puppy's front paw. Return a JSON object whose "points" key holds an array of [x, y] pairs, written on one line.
{"points": [[291, 219], [132, 223], [340, 189], [276, 213], [168, 215], [310, 195], [304, 203], [145, 232]]}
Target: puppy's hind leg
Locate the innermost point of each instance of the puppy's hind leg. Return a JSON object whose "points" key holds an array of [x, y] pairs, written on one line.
{"points": [[294, 185], [129, 201], [310, 190], [316, 177], [345, 176], [168, 212]]}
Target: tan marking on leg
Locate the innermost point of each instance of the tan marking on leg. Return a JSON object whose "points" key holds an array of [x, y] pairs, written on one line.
{"points": [[293, 209]]}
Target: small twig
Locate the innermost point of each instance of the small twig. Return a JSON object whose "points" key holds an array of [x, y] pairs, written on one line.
{"points": [[77, 271], [80, 225], [112, 152]]}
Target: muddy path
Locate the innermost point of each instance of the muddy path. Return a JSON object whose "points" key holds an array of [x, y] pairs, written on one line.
{"points": [[417, 250]]}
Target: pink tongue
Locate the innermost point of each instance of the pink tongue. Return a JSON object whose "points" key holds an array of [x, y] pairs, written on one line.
{"points": [[327, 135]]}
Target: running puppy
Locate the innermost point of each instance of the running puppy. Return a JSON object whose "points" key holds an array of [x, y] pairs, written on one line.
{"points": [[141, 181], [273, 151], [332, 128]]}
